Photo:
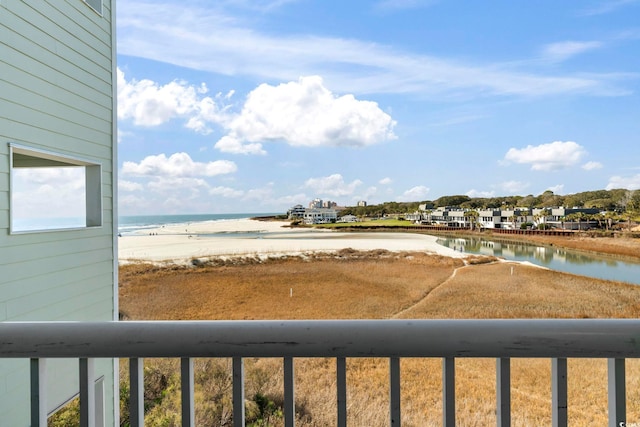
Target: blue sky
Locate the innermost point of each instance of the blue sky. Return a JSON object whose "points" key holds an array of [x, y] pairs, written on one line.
{"points": [[258, 105]]}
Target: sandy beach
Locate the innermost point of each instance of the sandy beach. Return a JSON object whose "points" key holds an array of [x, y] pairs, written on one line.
{"points": [[245, 237]]}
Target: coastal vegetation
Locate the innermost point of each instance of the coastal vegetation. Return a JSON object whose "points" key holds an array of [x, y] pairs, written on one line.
{"points": [[373, 285], [626, 203]]}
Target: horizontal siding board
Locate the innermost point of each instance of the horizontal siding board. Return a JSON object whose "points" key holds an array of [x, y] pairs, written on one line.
{"points": [[46, 303], [96, 310], [4, 223], [41, 268], [38, 119], [10, 366], [4, 219], [23, 53], [4, 199], [72, 309], [91, 40], [84, 17], [65, 112], [26, 133], [4, 158], [34, 285], [18, 389], [53, 41], [95, 306], [64, 237], [35, 91], [18, 253], [4, 181]]}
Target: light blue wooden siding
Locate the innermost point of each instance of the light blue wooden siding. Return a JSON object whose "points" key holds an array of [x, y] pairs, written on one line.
{"points": [[56, 94]]}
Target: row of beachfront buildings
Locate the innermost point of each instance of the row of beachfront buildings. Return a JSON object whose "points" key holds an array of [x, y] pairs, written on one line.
{"points": [[513, 218]]}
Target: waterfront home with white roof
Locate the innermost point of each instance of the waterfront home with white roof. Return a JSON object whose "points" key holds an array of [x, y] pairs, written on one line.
{"points": [[320, 216], [57, 125]]}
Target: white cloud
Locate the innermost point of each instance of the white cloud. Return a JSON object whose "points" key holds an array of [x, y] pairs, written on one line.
{"points": [[187, 188], [261, 195], [415, 194], [235, 145], [589, 166], [607, 6], [124, 185], [557, 189], [228, 192], [52, 192], [513, 187], [483, 194], [148, 103], [209, 39], [291, 200], [332, 185], [546, 157], [177, 165], [132, 203], [627, 182], [562, 51], [369, 193], [305, 113], [385, 181]]}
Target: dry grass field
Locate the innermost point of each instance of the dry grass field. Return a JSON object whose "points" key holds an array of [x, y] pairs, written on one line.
{"points": [[379, 285]]}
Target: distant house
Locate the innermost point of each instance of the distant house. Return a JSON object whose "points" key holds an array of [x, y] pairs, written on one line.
{"points": [[563, 218], [450, 217], [57, 123], [320, 216], [348, 218], [415, 217], [296, 212]]}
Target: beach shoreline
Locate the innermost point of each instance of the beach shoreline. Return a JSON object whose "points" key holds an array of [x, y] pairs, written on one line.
{"points": [[182, 243]]}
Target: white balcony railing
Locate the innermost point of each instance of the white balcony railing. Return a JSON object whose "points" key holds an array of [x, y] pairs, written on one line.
{"points": [[558, 340]]}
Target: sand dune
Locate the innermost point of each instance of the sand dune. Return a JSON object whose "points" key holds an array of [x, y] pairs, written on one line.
{"points": [[182, 242]]}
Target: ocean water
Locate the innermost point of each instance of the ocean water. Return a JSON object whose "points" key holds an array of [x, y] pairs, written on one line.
{"points": [[136, 223]]}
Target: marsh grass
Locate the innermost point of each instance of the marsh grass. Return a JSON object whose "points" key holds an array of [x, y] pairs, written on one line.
{"points": [[355, 285]]}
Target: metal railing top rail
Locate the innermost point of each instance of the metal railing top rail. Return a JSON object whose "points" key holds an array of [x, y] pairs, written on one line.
{"points": [[610, 338]]}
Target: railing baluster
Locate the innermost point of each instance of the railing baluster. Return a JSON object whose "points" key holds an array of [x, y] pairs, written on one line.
{"points": [[448, 392], [559, 392], [87, 393], [503, 387], [617, 392], [238, 392], [289, 393], [38, 394], [186, 393], [136, 392], [394, 391], [341, 385]]}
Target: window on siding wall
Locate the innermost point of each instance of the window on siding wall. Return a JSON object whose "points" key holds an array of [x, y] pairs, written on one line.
{"points": [[95, 5], [53, 192]]}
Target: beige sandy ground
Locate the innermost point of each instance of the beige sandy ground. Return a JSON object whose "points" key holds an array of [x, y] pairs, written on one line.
{"points": [[243, 237]]}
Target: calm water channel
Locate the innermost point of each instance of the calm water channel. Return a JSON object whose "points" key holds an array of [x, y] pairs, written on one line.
{"points": [[558, 259]]}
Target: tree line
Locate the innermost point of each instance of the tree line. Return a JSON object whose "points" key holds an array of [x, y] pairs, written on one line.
{"points": [[618, 200]]}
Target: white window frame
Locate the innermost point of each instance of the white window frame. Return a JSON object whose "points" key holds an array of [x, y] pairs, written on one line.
{"points": [[42, 158]]}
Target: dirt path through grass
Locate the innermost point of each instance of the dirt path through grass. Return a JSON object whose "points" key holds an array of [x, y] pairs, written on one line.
{"points": [[406, 310]]}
